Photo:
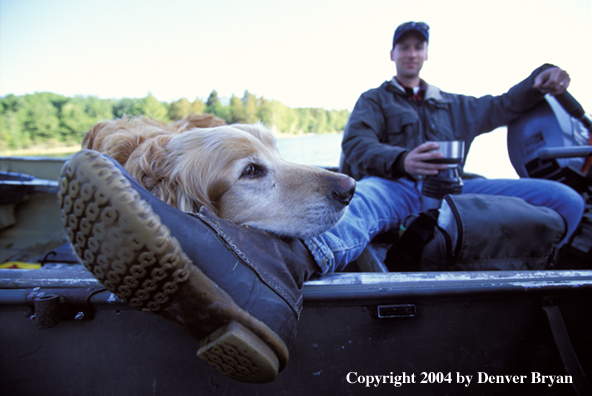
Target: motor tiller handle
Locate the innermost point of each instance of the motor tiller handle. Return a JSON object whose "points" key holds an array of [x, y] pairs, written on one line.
{"points": [[574, 108]]}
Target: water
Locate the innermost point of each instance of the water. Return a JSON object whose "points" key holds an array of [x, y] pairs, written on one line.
{"points": [[319, 150], [488, 156]]}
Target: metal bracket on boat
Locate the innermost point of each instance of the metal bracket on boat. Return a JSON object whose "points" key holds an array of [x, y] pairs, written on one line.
{"points": [[51, 306], [395, 311]]}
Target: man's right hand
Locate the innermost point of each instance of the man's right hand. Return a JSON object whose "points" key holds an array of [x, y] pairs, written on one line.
{"points": [[415, 160], [554, 81]]}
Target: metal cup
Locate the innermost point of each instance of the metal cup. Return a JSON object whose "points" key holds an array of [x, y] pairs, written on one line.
{"points": [[453, 151]]}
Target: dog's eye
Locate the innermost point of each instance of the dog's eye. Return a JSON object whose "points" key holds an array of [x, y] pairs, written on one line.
{"points": [[253, 170]]}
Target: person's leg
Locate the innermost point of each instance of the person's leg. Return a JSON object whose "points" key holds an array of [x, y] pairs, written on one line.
{"points": [[559, 197], [378, 205]]}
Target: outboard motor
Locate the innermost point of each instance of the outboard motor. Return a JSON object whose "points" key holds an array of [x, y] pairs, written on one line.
{"points": [[552, 142]]}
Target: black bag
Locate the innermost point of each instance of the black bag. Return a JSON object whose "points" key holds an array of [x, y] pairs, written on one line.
{"points": [[479, 232]]}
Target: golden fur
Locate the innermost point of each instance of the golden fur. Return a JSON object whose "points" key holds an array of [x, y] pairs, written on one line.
{"points": [[233, 170]]}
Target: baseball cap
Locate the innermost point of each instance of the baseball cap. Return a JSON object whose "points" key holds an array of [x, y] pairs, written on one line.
{"points": [[420, 27]]}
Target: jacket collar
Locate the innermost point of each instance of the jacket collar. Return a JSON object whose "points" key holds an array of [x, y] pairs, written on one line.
{"points": [[432, 92]]}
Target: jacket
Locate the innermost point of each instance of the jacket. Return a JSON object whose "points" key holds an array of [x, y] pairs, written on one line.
{"points": [[385, 123]]}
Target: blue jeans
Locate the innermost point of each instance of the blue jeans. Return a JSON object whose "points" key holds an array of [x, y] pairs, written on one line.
{"points": [[380, 205]]}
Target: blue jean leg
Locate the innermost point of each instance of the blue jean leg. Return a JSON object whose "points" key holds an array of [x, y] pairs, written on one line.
{"points": [[378, 205], [559, 197]]}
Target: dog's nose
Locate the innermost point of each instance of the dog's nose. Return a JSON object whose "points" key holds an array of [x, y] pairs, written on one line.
{"points": [[344, 190]]}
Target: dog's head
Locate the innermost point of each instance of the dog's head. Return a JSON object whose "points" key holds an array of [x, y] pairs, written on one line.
{"points": [[237, 173]]}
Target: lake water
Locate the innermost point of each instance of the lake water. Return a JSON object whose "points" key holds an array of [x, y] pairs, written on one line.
{"points": [[320, 150], [488, 156]]}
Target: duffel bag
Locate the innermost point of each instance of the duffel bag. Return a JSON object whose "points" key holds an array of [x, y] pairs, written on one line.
{"points": [[473, 232]]}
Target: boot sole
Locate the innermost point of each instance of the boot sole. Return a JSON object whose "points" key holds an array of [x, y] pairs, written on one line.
{"points": [[123, 243]]}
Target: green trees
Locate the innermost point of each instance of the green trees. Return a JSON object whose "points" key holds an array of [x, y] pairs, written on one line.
{"points": [[129, 107], [179, 109], [45, 118], [237, 110], [154, 109], [250, 103], [214, 106], [12, 123]]}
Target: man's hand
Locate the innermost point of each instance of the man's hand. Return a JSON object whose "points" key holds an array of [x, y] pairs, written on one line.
{"points": [[554, 81], [415, 161]]}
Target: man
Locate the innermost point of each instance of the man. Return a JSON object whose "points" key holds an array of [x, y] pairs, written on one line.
{"points": [[409, 123], [386, 139], [238, 289]]}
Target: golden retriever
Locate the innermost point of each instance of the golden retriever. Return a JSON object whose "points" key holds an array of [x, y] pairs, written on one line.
{"points": [[233, 170]]}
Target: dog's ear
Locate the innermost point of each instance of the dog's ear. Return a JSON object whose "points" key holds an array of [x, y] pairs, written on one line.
{"points": [[110, 138], [94, 138], [120, 138], [158, 170], [148, 164], [88, 140]]}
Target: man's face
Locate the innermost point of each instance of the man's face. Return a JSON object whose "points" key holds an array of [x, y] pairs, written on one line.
{"points": [[409, 54]]}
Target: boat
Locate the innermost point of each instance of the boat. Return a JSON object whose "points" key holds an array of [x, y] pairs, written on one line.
{"points": [[362, 331]]}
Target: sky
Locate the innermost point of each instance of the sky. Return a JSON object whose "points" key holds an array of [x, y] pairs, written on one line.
{"points": [[306, 53]]}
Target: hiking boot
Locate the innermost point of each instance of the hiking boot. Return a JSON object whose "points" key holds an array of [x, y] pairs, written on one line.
{"points": [[235, 289]]}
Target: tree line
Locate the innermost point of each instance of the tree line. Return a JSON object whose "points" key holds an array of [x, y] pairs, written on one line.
{"points": [[49, 119]]}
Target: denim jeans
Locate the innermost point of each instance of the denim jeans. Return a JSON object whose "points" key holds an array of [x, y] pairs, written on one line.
{"points": [[380, 205]]}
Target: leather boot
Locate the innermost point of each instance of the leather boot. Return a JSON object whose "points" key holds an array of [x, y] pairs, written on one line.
{"points": [[235, 289]]}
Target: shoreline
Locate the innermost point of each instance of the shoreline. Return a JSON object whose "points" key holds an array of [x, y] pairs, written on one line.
{"points": [[61, 150], [40, 151], [282, 135]]}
